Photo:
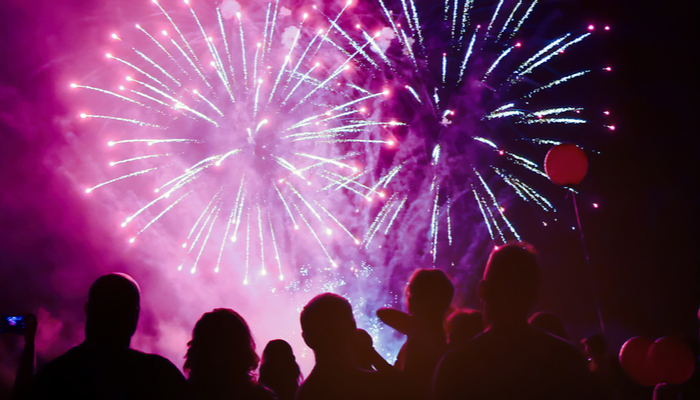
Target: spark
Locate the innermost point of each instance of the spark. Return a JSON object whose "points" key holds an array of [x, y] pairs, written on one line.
{"points": [[377, 223], [524, 17], [206, 240], [396, 213], [434, 221], [113, 163], [262, 241], [274, 246], [495, 14], [131, 175], [510, 18], [413, 92], [557, 82], [449, 223]]}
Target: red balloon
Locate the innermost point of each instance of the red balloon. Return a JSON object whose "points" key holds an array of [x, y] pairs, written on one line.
{"points": [[566, 164], [673, 359], [635, 361]]}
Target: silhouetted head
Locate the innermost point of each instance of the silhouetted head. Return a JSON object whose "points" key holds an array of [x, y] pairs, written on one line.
{"points": [[429, 292], [549, 323], [221, 347], [462, 325], [595, 346], [277, 351], [112, 309], [279, 370], [509, 287], [327, 324]]}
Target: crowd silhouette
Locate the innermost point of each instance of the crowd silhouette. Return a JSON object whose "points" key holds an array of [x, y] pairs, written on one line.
{"points": [[495, 353]]}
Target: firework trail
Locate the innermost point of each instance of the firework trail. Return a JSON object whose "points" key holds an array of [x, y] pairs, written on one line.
{"points": [[255, 119], [482, 81]]}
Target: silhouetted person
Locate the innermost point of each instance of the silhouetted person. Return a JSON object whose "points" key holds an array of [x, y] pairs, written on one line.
{"points": [[462, 325], [510, 359], [279, 370], [103, 366], [428, 294], [328, 328], [221, 359], [549, 323]]}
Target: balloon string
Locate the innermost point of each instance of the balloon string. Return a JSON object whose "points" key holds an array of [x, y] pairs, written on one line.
{"points": [[588, 261]]}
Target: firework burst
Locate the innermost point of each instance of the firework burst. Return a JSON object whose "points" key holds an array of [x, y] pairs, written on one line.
{"points": [[491, 93], [257, 119]]}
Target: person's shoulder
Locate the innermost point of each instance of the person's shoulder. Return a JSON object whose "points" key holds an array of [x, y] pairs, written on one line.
{"points": [[453, 367], [158, 367], [153, 360], [465, 360], [469, 349], [150, 358], [307, 390], [333, 383], [161, 374], [53, 377], [64, 362], [346, 384]]}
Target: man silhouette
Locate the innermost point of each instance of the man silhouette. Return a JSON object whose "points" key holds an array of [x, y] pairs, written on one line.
{"points": [[329, 329], [510, 359], [103, 366]]}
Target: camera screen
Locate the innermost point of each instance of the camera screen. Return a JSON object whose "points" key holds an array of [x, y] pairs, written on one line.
{"points": [[12, 324]]}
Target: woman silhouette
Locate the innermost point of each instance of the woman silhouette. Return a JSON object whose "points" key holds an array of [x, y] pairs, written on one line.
{"points": [[279, 370], [221, 359]]}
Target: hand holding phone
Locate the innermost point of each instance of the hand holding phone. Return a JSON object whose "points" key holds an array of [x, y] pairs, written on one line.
{"points": [[18, 324]]}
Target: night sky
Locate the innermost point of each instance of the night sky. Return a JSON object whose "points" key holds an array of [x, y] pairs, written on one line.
{"points": [[641, 240]]}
